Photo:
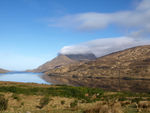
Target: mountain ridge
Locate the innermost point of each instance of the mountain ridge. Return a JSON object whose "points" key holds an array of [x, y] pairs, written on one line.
{"points": [[125, 57], [62, 60], [127, 70]]}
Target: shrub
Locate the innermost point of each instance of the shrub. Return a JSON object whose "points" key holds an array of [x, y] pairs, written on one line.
{"points": [[63, 91], [62, 102], [73, 104], [136, 100], [122, 99], [44, 101], [22, 103], [3, 103], [16, 97]]}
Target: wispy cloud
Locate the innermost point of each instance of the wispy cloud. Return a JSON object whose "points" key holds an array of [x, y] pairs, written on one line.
{"points": [[101, 47], [132, 19], [136, 21]]}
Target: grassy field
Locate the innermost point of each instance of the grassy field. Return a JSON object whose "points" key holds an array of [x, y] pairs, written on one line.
{"points": [[37, 98]]}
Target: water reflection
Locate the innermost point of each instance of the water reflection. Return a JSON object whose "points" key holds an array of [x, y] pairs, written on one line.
{"points": [[27, 77]]}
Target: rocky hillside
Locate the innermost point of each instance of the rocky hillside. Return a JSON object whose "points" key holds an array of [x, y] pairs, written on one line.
{"points": [[124, 70], [63, 60], [54, 63], [3, 71], [133, 62]]}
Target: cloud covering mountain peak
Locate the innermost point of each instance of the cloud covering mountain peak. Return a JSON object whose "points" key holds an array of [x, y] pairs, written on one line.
{"points": [[104, 46], [135, 21]]}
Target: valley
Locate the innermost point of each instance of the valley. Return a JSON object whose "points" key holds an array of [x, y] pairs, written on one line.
{"points": [[126, 70], [116, 83], [74, 56]]}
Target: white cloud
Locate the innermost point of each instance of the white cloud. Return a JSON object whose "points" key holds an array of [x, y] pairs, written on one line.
{"points": [[134, 19], [144, 5], [101, 47]]}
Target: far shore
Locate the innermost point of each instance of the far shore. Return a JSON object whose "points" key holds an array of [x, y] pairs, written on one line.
{"points": [[109, 83]]}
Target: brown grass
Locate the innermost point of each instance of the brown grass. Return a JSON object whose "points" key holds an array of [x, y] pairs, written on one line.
{"points": [[29, 103]]}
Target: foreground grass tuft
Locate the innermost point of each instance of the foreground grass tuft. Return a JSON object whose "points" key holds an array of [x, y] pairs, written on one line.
{"points": [[44, 101], [3, 103]]}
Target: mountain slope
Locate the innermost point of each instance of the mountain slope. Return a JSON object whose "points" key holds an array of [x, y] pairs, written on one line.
{"points": [[54, 63], [82, 57], [127, 70], [3, 71], [62, 60], [134, 61]]}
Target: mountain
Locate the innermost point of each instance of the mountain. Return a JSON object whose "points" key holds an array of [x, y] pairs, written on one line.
{"points": [[82, 57], [130, 64], [54, 63], [135, 61], [62, 60], [3, 71]]}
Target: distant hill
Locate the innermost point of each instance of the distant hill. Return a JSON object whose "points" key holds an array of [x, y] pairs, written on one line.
{"points": [[3, 70], [62, 60], [129, 64], [54, 63], [134, 61]]}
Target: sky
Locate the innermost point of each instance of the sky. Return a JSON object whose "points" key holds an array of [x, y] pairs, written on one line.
{"points": [[33, 32]]}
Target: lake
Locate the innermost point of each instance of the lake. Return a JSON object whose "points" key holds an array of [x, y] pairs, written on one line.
{"points": [[27, 77]]}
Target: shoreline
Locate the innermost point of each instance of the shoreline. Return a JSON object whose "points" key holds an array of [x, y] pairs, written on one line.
{"points": [[110, 84]]}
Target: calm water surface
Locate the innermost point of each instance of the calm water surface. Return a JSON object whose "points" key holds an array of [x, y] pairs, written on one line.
{"points": [[27, 77]]}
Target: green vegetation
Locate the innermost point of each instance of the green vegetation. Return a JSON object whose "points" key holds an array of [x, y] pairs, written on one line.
{"points": [[35, 98], [44, 101], [73, 104], [122, 96], [3, 103], [16, 96], [62, 102], [62, 91]]}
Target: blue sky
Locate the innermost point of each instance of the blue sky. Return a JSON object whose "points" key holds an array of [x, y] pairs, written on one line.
{"points": [[34, 31]]}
